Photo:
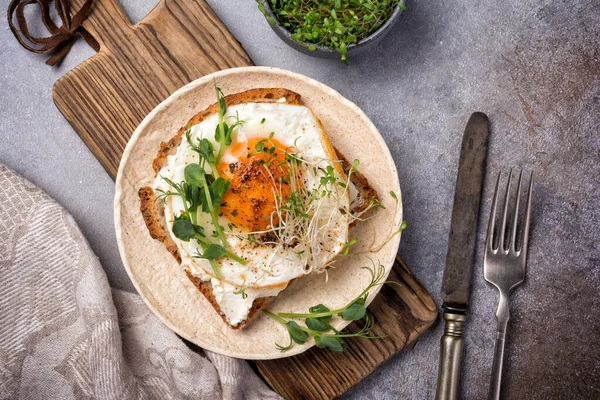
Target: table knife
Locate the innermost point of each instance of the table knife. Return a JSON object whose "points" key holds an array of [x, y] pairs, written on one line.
{"points": [[461, 249]]}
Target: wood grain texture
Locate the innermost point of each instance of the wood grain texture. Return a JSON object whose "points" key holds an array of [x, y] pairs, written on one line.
{"points": [[137, 67], [401, 313], [107, 96]]}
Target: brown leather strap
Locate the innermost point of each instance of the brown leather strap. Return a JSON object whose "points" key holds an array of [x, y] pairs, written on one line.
{"points": [[61, 38]]}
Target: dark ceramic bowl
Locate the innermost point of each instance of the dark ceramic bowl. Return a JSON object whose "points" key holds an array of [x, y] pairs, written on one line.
{"points": [[326, 52]]}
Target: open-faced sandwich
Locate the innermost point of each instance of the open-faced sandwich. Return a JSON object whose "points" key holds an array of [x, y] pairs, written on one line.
{"points": [[249, 195]]}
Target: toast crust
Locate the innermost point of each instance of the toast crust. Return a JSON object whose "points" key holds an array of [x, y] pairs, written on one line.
{"points": [[366, 193], [153, 210], [205, 287], [154, 217]]}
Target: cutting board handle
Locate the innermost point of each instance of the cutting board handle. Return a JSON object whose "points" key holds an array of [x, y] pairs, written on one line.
{"points": [[107, 17]]}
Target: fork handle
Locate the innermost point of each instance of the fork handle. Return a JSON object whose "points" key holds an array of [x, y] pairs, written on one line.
{"points": [[502, 316]]}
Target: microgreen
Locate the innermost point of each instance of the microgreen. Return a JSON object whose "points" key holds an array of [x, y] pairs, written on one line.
{"points": [[328, 176], [333, 24], [292, 158], [242, 292], [317, 324], [318, 317], [267, 148], [393, 233], [204, 191], [330, 342], [218, 188], [185, 230], [260, 145], [194, 175], [223, 131], [261, 8], [205, 150], [347, 246], [296, 333], [354, 311], [321, 309], [214, 251], [210, 195], [179, 190]]}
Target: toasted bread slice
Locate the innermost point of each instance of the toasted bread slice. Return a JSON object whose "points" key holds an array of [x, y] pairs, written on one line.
{"points": [[153, 211], [366, 193]]}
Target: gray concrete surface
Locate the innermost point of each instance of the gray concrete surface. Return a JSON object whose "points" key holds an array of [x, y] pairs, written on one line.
{"points": [[532, 65]]}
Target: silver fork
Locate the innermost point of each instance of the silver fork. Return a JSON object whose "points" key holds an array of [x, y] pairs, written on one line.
{"points": [[504, 267]]}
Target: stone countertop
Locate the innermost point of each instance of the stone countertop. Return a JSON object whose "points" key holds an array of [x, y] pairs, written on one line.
{"points": [[532, 65]]}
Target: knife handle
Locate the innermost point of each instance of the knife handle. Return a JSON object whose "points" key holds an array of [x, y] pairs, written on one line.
{"points": [[451, 346]]}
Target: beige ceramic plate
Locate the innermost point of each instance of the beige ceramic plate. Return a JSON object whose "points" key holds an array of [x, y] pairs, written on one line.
{"points": [[165, 287]]}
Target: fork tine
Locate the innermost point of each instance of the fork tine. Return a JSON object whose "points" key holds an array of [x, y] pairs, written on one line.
{"points": [[513, 240], [506, 269], [527, 217], [492, 221], [505, 212]]}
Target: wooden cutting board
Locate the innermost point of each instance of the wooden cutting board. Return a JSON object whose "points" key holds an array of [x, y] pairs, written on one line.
{"points": [[137, 67]]}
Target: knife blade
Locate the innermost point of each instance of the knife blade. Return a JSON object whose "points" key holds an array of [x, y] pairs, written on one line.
{"points": [[465, 213], [456, 281]]}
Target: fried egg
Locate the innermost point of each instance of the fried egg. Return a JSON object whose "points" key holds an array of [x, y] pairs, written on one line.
{"points": [[286, 212]]}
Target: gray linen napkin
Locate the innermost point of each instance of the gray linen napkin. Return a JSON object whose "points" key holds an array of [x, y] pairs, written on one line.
{"points": [[65, 335]]}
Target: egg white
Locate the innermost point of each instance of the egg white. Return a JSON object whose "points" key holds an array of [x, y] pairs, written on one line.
{"points": [[269, 268]]}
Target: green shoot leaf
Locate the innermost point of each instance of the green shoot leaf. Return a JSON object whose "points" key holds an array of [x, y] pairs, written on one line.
{"points": [[194, 175], [317, 324], [319, 309], [183, 230], [206, 150], [354, 312], [213, 252], [296, 332], [217, 189], [198, 230], [181, 217], [220, 101], [330, 342]]}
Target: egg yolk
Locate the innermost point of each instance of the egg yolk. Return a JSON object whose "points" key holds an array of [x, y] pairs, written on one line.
{"points": [[255, 182]]}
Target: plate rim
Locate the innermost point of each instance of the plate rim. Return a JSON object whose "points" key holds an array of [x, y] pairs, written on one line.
{"points": [[297, 349]]}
